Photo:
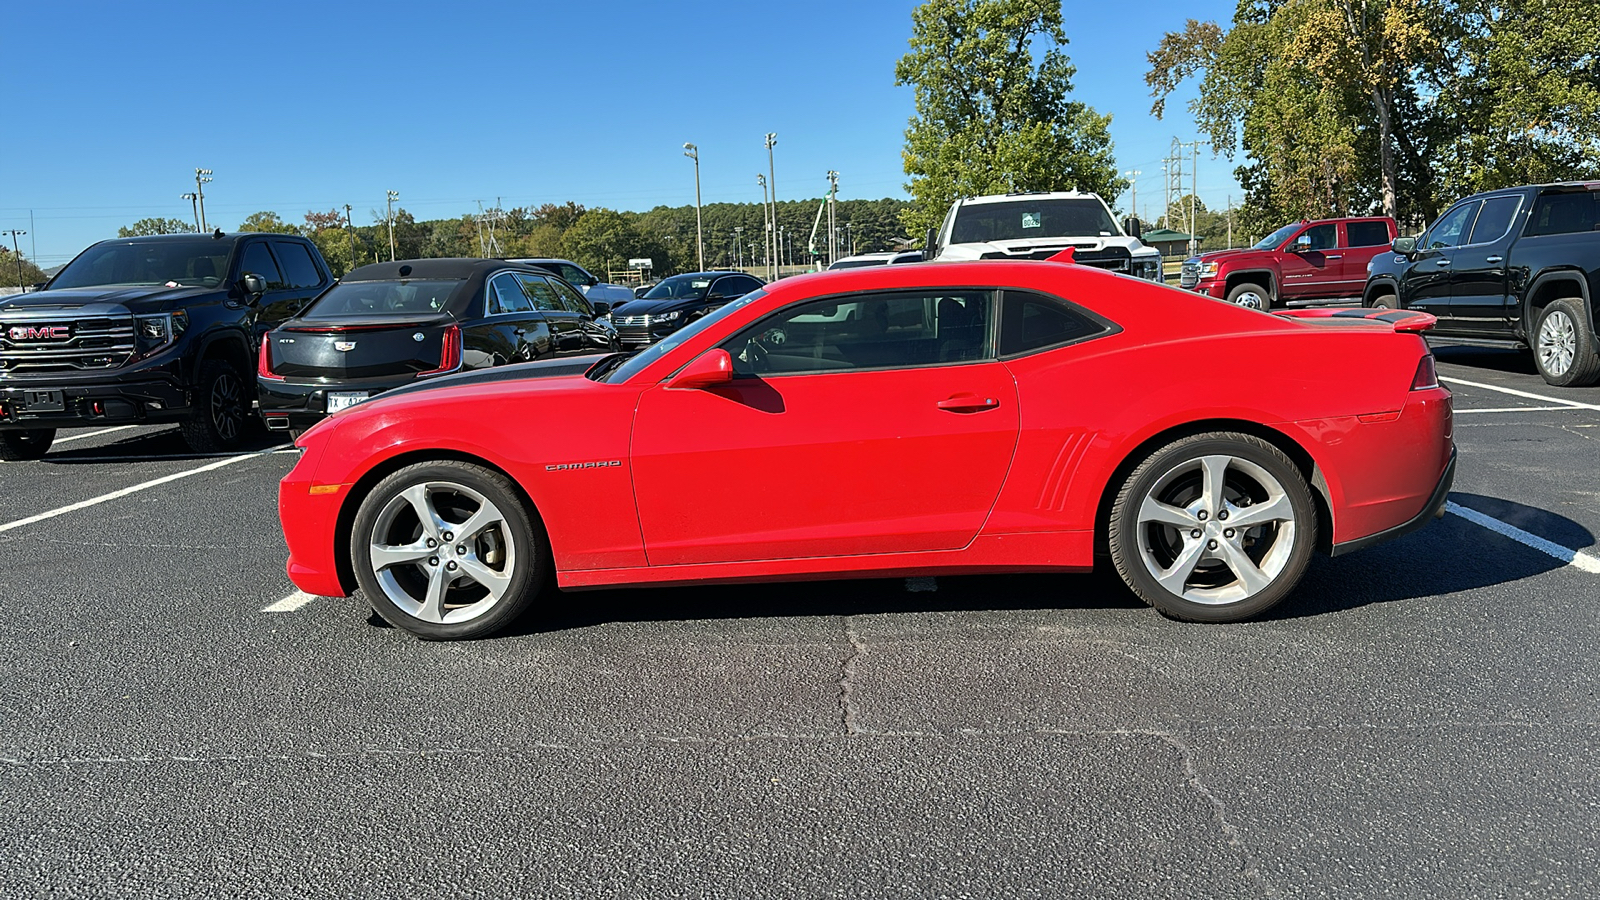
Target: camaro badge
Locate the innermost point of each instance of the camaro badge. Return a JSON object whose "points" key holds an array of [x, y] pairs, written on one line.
{"points": [[606, 464], [344, 345]]}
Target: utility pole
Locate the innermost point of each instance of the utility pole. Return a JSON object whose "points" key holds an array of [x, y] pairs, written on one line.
{"points": [[18, 254], [693, 153], [766, 224], [1194, 188], [202, 177], [393, 196], [350, 229], [833, 227], [738, 246], [1133, 187], [1230, 221], [1172, 198], [191, 196], [772, 178]]}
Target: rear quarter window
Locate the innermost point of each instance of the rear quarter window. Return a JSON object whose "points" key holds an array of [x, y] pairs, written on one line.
{"points": [[1368, 234], [1030, 322]]}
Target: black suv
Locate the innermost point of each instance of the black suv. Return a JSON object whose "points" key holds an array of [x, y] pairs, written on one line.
{"points": [[1520, 265], [673, 302], [149, 330]]}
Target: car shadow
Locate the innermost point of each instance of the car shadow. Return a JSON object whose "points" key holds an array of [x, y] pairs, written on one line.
{"points": [[1498, 359], [1448, 556], [167, 444]]}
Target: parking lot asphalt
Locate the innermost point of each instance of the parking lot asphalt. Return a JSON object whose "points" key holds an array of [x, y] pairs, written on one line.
{"points": [[1419, 720]]}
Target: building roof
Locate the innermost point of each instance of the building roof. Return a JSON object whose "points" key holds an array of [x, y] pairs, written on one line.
{"points": [[1164, 234]]}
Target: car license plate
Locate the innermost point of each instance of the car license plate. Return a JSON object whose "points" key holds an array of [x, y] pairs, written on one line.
{"points": [[46, 401], [338, 400]]}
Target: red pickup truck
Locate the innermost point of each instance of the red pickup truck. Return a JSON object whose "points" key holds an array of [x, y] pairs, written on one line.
{"points": [[1301, 264]]}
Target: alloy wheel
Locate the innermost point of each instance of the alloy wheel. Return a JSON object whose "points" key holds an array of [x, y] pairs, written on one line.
{"points": [[1558, 342], [1216, 530], [227, 408], [442, 552]]}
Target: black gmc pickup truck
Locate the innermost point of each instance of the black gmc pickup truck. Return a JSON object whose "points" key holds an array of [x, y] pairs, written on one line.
{"points": [[149, 330], [1520, 265]]}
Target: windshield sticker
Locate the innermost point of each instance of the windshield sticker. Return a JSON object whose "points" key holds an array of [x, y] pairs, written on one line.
{"points": [[1030, 220], [697, 285]]}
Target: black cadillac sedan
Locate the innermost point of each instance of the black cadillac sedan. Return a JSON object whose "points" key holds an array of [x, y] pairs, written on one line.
{"points": [[674, 301], [398, 323]]}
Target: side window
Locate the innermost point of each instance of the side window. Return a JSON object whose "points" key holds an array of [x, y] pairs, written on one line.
{"points": [[1368, 234], [1494, 220], [883, 331], [506, 296], [540, 292], [1322, 237], [572, 273], [738, 286], [297, 264], [1448, 231], [1032, 322], [258, 261], [1564, 213], [571, 300]]}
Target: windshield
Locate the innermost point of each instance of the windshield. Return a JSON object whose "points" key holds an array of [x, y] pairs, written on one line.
{"points": [[383, 298], [682, 287], [1012, 220], [1275, 240], [661, 348], [181, 262]]}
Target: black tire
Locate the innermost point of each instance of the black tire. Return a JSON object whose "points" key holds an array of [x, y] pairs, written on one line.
{"points": [[1242, 295], [222, 409], [514, 548], [32, 443], [1564, 346], [1385, 301], [1210, 586]]}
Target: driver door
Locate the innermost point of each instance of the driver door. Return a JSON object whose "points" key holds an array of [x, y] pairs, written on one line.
{"points": [[875, 424]]}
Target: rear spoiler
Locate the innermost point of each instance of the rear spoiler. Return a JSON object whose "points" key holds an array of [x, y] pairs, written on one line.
{"points": [[1406, 320]]}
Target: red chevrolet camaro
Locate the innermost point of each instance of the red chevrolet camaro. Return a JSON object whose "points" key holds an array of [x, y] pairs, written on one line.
{"points": [[906, 420]]}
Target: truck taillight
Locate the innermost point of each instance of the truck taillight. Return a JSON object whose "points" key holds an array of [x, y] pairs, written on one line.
{"points": [[449, 353], [264, 361], [1426, 378]]}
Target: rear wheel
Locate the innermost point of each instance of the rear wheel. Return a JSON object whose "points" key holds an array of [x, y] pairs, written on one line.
{"points": [[1250, 296], [1215, 527], [221, 409], [33, 443], [447, 551], [1564, 346]]}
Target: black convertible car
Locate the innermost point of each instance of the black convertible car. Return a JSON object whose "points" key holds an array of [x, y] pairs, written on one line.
{"points": [[392, 324]]}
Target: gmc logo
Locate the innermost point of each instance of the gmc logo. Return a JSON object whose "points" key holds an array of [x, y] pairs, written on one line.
{"points": [[43, 333]]}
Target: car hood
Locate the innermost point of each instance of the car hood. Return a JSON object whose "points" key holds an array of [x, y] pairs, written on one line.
{"points": [[101, 301], [653, 307], [1043, 247], [567, 367]]}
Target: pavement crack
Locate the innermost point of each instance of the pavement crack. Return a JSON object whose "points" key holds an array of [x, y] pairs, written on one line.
{"points": [[847, 674], [1219, 810]]}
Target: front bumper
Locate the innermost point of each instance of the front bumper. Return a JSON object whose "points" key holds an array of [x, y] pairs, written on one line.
{"points": [[66, 404]]}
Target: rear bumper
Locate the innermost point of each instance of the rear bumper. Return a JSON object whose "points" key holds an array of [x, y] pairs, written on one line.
{"points": [[149, 400], [286, 405], [1432, 509]]}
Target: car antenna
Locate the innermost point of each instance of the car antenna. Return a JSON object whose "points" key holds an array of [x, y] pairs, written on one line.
{"points": [[217, 235]]}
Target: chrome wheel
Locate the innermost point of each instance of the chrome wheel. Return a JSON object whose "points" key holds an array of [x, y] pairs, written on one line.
{"points": [[1216, 530], [1558, 342], [442, 552], [227, 406], [1251, 300]]}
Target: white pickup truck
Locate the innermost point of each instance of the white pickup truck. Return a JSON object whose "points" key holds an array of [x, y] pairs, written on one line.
{"points": [[1038, 225]]}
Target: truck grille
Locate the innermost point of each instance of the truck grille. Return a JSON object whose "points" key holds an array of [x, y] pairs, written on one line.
{"points": [[639, 321], [1114, 259], [37, 346], [1191, 274]]}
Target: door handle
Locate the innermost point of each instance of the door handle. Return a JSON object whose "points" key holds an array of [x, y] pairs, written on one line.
{"points": [[1444, 263], [1493, 259], [968, 403], [1332, 256]]}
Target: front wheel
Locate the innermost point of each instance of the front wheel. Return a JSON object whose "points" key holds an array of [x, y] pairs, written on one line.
{"points": [[1214, 527], [1385, 301], [1250, 296], [222, 406], [1564, 345], [447, 551], [33, 443]]}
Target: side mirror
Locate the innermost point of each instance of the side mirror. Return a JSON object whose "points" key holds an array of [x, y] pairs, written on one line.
{"points": [[709, 369], [929, 250], [1404, 246], [40, 286], [1301, 245], [601, 307], [254, 286], [1133, 227]]}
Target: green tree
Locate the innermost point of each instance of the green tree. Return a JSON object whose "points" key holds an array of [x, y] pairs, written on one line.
{"points": [[154, 226], [993, 113], [23, 275], [267, 221]]}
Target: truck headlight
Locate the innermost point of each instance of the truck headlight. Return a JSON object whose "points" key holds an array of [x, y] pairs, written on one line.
{"points": [[1208, 270], [151, 333], [667, 317], [1148, 269]]}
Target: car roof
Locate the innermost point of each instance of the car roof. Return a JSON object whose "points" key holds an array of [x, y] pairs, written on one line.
{"points": [[1031, 195], [460, 267]]}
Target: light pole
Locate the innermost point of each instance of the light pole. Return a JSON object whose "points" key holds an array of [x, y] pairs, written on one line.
{"points": [[766, 222], [772, 178], [192, 197], [15, 251], [693, 153], [202, 177], [833, 227], [393, 196], [1133, 188], [350, 229], [738, 246]]}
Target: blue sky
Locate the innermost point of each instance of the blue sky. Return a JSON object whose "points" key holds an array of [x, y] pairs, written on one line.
{"points": [[299, 106]]}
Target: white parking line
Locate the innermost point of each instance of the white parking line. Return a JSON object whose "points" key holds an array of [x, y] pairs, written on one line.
{"points": [[134, 489], [79, 437], [290, 603], [1511, 409], [1575, 558], [1568, 404]]}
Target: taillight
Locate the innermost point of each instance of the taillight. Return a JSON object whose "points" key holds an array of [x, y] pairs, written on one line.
{"points": [[1426, 378], [264, 361], [449, 353]]}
